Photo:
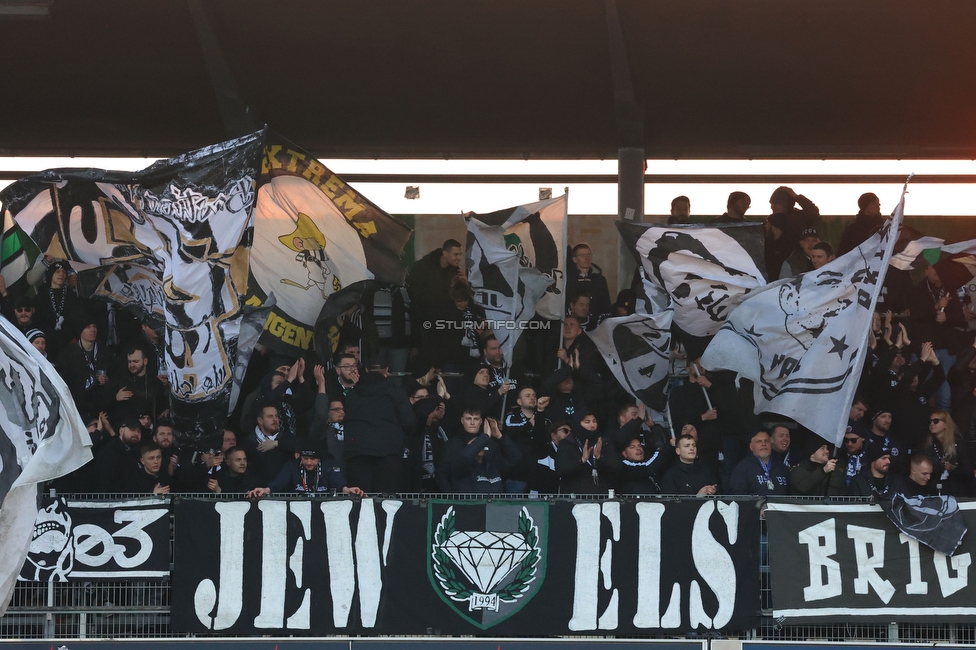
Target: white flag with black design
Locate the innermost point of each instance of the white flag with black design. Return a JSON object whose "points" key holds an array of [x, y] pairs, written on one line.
{"points": [[637, 349], [802, 340], [42, 437], [536, 233], [704, 270], [506, 290]]}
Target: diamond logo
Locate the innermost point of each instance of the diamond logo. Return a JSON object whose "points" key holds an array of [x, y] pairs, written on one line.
{"points": [[488, 575]]}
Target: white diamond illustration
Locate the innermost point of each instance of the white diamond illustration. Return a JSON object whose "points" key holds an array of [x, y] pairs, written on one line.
{"points": [[486, 557]]}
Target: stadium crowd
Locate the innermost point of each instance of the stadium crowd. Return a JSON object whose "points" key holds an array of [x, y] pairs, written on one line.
{"points": [[403, 406]]}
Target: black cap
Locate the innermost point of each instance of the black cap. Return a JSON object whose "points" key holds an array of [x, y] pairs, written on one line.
{"points": [[129, 421], [875, 451]]}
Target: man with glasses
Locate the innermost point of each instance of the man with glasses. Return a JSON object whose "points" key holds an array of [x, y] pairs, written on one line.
{"points": [[22, 314], [326, 429], [346, 376], [851, 456]]}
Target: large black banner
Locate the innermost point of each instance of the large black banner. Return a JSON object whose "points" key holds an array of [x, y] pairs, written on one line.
{"points": [[850, 561], [86, 540], [521, 568]]}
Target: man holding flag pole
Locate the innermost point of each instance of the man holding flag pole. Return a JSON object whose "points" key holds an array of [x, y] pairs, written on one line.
{"points": [[802, 340]]}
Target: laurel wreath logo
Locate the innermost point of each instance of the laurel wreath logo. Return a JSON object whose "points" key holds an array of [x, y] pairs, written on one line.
{"points": [[457, 590]]}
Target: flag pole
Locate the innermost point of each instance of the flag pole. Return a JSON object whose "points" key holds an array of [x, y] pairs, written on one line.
{"points": [[565, 245], [508, 370]]}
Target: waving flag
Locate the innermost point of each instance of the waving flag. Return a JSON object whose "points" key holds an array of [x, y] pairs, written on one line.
{"points": [[170, 243], [704, 271], [801, 340], [536, 233], [17, 255], [637, 349], [42, 437], [508, 291], [314, 235]]}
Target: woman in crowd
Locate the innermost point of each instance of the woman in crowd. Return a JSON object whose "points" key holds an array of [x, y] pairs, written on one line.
{"points": [[953, 470]]}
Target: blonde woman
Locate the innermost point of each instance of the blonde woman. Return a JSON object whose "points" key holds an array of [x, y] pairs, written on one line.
{"points": [[953, 470]]}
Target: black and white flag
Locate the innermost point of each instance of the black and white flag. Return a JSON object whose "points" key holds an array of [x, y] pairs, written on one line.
{"points": [[508, 291], [705, 271], [536, 232], [171, 244], [801, 340], [42, 437], [637, 349]]}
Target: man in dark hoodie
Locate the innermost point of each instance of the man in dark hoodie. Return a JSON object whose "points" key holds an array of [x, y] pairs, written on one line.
{"points": [[377, 413], [585, 461]]}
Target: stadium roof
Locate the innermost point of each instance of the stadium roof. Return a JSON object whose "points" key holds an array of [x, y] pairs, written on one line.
{"points": [[494, 78]]}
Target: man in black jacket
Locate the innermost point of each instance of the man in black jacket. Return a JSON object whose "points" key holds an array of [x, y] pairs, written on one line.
{"points": [[429, 286], [689, 475], [138, 384], [117, 456], [234, 476], [874, 479], [582, 276], [148, 477], [476, 459], [817, 474], [377, 413], [268, 448], [865, 224]]}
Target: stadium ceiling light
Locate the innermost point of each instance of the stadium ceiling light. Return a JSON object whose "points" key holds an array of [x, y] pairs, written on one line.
{"points": [[25, 9]]}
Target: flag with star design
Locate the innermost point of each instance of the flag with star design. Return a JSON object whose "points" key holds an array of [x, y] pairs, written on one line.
{"points": [[802, 340]]}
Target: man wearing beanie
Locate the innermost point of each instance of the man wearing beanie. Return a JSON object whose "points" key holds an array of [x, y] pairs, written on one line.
{"points": [[309, 474], [880, 434], [865, 224], [37, 338], [817, 475], [118, 456], [851, 457], [83, 366], [874, 478]]}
